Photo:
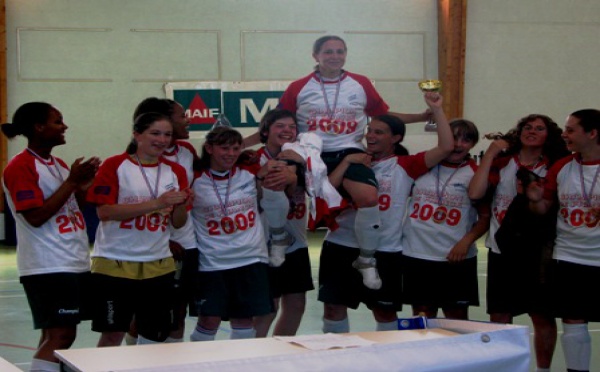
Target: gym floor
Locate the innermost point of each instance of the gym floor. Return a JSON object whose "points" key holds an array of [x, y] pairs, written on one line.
{"points": [[18, 339]]}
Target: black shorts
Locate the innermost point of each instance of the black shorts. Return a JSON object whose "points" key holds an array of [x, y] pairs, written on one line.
{"points": [[239, 293], [440, 283], [341, 284], [355, 172], [293, 276], [119, 299], [573, 290], [515, 287], [186, 281], [58, 299]]}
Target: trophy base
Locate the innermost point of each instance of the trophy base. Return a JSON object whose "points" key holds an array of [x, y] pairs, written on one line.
{"points": [[431, 127]]}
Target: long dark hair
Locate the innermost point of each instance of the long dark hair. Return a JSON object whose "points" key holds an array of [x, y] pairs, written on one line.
{"points": [[217, 136], [25, 119], [141, 124], [397, 127]]}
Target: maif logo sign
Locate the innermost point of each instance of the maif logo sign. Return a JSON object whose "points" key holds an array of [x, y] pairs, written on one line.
{"points": [[244, 104]]}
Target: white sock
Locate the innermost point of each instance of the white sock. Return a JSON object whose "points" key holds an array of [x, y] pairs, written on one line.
{"points": [[41, 365], [275, 205], [538, 369], [336, 326], [141, 340], [201, 334], [366, 228], [242, 333], [577, 347], [387, 326], [130, 340], [172, 340]]}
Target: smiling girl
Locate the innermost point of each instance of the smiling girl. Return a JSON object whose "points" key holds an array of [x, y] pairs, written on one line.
{"points": [[514, 286], [233, 276], [440, 256], [44, 196], [340, 286], [138, 194], [572, 182]]}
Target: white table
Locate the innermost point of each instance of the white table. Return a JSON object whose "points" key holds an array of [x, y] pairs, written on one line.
{"points": [[450, 346], [5, 366]]}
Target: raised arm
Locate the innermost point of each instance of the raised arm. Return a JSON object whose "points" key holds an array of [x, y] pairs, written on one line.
{"points": [[479, 182], [412, 118], [445, 143], [251, 140]]}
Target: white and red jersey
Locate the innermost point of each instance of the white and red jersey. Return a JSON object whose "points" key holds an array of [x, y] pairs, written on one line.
{"points": [[395, 175], [354, 98], [121, 180], [503, 176], [183, 153], [227, 220], [61, 243], [297, 217], [578, 230], [440, 212]]}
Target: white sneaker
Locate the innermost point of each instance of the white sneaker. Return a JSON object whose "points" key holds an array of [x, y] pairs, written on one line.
{"points": [[368, 269], [278, 248]]}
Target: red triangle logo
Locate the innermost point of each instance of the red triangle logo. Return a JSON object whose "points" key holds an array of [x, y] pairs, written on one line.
{"points": [[198, 112]]}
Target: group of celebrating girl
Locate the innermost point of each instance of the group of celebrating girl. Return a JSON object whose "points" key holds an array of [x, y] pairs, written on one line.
{"points": [[224, 235]]}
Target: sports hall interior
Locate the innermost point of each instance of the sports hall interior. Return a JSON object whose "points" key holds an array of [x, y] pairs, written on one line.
{"points": [[96, 59]]}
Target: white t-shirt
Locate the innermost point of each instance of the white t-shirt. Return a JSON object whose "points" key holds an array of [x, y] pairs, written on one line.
{"points": [[395, 175], [297, 217], [432, 228], [350, 100], [121, 181], [503, 176], [578, 233], [183, 153], [61, 243], [227, 220]]}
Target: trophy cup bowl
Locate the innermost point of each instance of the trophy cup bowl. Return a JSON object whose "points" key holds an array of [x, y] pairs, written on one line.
{"points": [[430, 85]]}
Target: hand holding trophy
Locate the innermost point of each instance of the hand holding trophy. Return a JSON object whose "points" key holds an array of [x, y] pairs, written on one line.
{"points": [[430, 86]]}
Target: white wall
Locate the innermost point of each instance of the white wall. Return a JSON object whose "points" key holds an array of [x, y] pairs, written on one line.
{"points": [[521, 56], [96, 59], [534, 56]]}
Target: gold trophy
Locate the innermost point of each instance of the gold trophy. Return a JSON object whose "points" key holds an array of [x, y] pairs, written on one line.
{"points": [[430, 85]]}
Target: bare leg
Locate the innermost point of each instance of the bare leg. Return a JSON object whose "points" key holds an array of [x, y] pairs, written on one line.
{"points": [[424, 310], [262, 323], [501, 318], [111, 339], [456, 312], [292, 310], [55, 339], [544, 338]]}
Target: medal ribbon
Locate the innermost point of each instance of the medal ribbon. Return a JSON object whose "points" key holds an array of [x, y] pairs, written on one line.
{"points": [[223, 205], [440, 193], [153, 193], [586, 197], [331, 111]]}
